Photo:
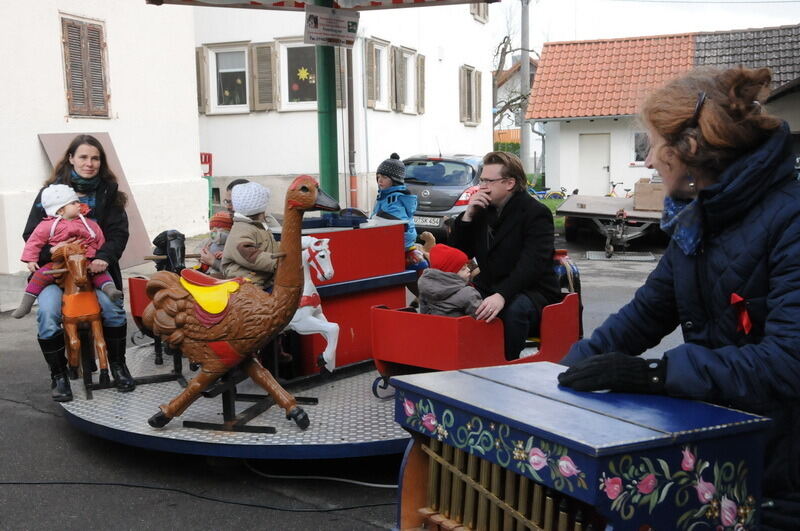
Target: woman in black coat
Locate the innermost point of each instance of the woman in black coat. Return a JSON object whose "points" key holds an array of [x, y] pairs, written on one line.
{"points": [[84, 167]]}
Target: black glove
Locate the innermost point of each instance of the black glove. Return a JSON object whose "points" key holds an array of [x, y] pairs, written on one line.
{"points": [[618, 372]]}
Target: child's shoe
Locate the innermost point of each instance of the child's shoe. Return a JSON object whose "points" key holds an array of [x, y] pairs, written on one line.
{"points": [[24, 306]]}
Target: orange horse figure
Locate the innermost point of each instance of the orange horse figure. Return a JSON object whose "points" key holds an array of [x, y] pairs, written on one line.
{"points": [[79, 305]]}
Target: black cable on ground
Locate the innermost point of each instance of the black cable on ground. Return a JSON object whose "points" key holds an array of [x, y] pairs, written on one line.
{"points": [[191, 494]]}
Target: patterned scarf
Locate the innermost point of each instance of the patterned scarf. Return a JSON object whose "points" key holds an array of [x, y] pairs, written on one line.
{"points": [[683, 221], [84, 186]]}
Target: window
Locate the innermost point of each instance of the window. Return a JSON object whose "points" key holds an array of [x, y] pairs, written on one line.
{"points": [[480, 12], [85, 67], [378, 77], [641, 146], [240, 78], [229, 86], [469, 95]]}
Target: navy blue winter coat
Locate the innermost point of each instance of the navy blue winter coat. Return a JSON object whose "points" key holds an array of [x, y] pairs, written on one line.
{"points": [[750, 247]]}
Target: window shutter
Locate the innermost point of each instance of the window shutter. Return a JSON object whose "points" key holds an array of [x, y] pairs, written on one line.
{"points": [[77, 92], [462, 94], [371, 74], [341, 77], [420, 84], [399, 102], [262, 76], [201, 68], [477, 92], [392, 77], [95, 47]]}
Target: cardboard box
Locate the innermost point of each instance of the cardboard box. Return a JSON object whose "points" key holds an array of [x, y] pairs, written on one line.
{"points": [[648, 196]]}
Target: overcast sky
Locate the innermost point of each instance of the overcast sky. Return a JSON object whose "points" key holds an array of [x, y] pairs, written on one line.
{"points": [[566, 20]]}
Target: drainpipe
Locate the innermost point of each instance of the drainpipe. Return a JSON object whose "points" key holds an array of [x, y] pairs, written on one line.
{"points": [[351, 134], [326, 116]]}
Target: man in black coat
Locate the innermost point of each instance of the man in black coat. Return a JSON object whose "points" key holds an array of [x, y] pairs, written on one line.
{"points": [[510, 235]]}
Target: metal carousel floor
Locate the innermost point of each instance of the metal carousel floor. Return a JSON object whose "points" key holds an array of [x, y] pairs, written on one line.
{"points": [[348, 421]]}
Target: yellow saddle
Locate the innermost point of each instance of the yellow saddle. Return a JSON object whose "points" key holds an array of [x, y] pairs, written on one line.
{"points": [[211, 294]]}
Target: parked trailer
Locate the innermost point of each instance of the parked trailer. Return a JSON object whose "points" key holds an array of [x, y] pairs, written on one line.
{"points": [[612, 217]]}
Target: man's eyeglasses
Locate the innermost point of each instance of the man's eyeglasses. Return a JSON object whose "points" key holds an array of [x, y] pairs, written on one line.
{"points": [[227, 202], [490, 181]]}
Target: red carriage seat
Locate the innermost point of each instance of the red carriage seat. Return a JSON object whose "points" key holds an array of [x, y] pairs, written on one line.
{"points": [[404, 341]]}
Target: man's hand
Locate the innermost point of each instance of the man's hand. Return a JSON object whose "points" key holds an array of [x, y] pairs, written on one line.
{"points": [[477, 202], [490, 307], [98, 266], [32, 266], [618, 372], [206, 256]]}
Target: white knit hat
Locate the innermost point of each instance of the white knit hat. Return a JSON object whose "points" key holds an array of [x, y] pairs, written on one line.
{"points": [[249, 199], [56, 196]]}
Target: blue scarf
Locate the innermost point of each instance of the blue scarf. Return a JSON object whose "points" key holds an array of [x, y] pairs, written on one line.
{"points": [[84, 186], [682, 219]]}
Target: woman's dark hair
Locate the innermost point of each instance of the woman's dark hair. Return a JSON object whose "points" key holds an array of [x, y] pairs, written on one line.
{"points": [[62, 172], [512, 167], [720, 109]]}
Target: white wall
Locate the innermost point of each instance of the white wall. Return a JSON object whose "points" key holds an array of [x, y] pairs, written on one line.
{"points": [[563, 157], [274, 145], [153, 121]]}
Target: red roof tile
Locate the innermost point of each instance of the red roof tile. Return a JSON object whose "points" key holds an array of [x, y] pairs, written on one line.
{"points": [[605, 77]]}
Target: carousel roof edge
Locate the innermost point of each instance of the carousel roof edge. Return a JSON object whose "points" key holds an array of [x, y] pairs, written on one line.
{"points": [[289, 5]]}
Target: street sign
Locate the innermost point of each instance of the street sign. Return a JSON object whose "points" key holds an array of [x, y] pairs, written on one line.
{"points": [[326, 26]]}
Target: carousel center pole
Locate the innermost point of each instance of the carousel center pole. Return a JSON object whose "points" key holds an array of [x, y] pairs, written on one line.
{"points": [[326, 116]]}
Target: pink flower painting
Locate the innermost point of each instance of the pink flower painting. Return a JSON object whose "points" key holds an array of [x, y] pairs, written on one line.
{"points": [[727, 511], [408, 407], [537, 459], [705, 491], [567, 467], [613, 487], [429, 421], [647, 484], [688, 461]]}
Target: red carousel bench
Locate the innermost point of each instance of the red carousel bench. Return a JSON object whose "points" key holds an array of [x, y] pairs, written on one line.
{"points": [[404, 341]]}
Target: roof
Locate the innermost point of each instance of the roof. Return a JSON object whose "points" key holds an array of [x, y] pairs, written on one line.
{"points": [[610, 77], [292, 5], [505, 75], [507, 135]]}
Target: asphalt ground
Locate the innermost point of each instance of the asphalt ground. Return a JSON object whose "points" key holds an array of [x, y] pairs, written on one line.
{"points": [[54, 476]]}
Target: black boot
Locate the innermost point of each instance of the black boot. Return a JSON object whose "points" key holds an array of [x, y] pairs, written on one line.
{"points": [[53, 351], [116, 336]]}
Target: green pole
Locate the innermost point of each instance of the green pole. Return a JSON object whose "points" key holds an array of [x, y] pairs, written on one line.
{"points": [[326, 116]]}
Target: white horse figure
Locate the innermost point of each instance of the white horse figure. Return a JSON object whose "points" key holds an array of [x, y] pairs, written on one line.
{"points": [[309, 319]]}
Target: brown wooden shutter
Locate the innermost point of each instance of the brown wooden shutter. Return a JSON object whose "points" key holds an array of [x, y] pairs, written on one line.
{"points": [[371, 74], [95, 69], [262, 77], [477, 92], [341, 76], [462, 94], [392, 73], [77, 92], [399, 79], [201, 69], [420, 84]]}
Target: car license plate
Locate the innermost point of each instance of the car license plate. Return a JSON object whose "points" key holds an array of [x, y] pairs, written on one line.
{"points": [[426, 221]]}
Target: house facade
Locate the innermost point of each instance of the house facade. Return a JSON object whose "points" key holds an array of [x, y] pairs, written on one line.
{"points": [[507, 92], [417, 86], [85, 66], [587, 93]]}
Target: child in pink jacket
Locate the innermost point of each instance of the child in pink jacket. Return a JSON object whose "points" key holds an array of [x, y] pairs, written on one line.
{"points": [[64, 222]]}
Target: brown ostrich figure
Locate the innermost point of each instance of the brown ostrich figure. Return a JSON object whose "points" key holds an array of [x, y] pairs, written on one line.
{"points": [[231, 333]]}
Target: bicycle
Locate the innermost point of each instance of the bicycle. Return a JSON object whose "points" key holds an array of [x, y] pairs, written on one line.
{"points": [[546, 193], [613, 191]]}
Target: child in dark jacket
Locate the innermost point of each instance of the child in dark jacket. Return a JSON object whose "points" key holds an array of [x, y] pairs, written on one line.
{"points": [[444, 288]]}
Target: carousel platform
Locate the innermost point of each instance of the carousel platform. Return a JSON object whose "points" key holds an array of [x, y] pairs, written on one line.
{"points": [[346, 421]]}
